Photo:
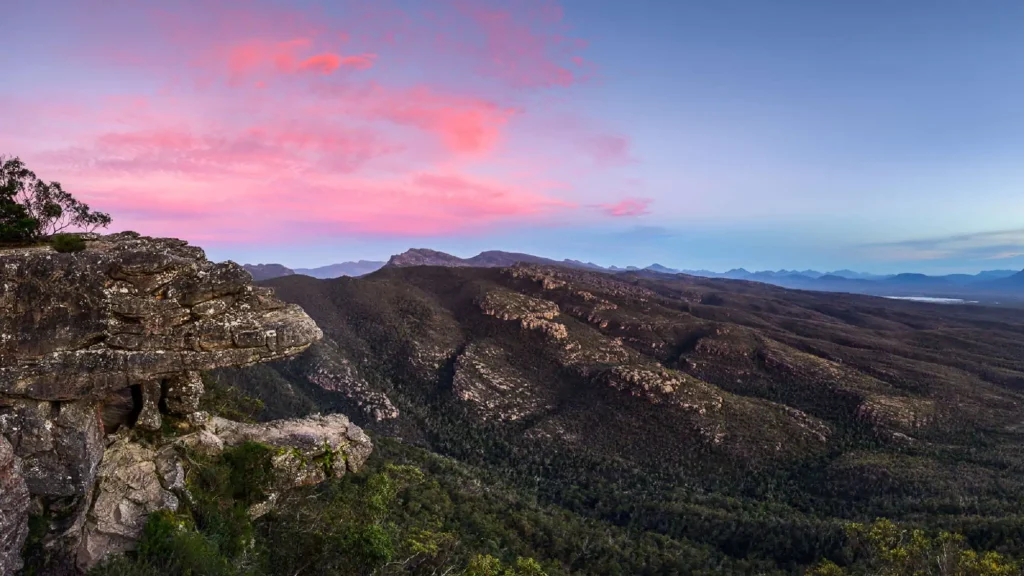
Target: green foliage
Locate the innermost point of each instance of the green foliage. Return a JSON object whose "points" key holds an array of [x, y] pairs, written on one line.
{"points": [[170, 546], [251, 471], [393, 519], [67, 243], [228, 401], [486, 565], [16, 223], [34, 554], [885, 548], [31, 208]]}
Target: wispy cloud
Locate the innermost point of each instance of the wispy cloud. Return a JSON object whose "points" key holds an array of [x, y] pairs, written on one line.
{"points": [[259, 118], [993, 245], [627, 207], [1005, 255]]}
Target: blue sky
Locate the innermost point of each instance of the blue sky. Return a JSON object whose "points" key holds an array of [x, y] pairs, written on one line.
{"points": [[879, 136]]}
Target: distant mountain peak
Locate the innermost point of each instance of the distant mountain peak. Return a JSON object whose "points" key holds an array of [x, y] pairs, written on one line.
{"points": [[267, 271], [662, 269], [485, 259], [424, 257]]}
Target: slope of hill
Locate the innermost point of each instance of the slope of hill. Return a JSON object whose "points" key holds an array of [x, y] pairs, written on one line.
{"points": [[739, 418], [1011, 283]]}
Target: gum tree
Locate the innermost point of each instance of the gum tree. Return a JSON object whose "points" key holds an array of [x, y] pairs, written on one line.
{"points": [[31, 209]]}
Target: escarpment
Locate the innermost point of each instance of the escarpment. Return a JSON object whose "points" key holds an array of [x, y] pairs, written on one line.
{"points": [[98, 345]]}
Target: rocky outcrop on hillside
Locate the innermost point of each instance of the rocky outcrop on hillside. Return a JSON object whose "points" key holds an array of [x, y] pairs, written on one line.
{"points": [[134, 480], [97, 344], [425, 257], [335, 373], [532, 313]]}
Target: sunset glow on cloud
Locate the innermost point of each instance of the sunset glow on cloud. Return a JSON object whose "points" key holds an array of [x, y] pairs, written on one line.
{"points": [[695, 134], [257, 120]]}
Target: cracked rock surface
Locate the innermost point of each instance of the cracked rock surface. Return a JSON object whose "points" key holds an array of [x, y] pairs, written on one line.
{"points": [[113, 338], [14, 504]]}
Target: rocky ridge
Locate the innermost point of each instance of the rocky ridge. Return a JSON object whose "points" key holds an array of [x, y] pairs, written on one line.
{"points": [[100, 344]]}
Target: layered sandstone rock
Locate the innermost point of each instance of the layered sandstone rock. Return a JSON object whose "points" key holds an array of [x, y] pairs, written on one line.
{"points": [[96, 343]]}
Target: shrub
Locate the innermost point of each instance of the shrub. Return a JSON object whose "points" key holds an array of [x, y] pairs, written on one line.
{"points": [[252, 471], [888, 549], [169, 547], [67, 243]]}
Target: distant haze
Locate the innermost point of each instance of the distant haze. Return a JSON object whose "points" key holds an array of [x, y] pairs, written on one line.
{"points": [[989, 285]]}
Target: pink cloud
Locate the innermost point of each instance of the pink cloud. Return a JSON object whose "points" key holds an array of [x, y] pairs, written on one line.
{"points": [[525, 47], [288, 57], [268, 123], [628, 207], [358, 62], [464, 124]]}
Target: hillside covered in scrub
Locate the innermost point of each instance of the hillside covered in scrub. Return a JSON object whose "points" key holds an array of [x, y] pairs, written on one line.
{"points": [[735, 427], [160, 414]]}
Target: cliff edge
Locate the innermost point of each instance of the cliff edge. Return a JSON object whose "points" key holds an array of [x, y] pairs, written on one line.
{"points": [[98, 344]]}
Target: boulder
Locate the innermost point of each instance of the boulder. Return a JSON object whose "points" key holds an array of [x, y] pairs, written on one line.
{"points": [[129, 487]]}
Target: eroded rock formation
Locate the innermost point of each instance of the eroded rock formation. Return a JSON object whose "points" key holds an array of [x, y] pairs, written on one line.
{"points": [[96, 343]]}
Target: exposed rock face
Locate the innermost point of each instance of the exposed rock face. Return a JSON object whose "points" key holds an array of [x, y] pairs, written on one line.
{"points": [[532, 313], [658, 385], [312, 439], [131, 309], [14, 505], [485, 378], [129, 488], [114, 337], [134, 481], [335, 373]]}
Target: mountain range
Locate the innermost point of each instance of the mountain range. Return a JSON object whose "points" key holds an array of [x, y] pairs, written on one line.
{"points": [[694, 425], [268, 271], [987, 286]]}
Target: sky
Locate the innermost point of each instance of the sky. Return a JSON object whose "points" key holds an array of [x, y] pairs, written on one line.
{"points": [[873, 135]]}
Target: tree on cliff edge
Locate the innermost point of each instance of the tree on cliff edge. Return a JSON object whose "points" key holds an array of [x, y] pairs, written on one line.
{"points": [[31, 209]]}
